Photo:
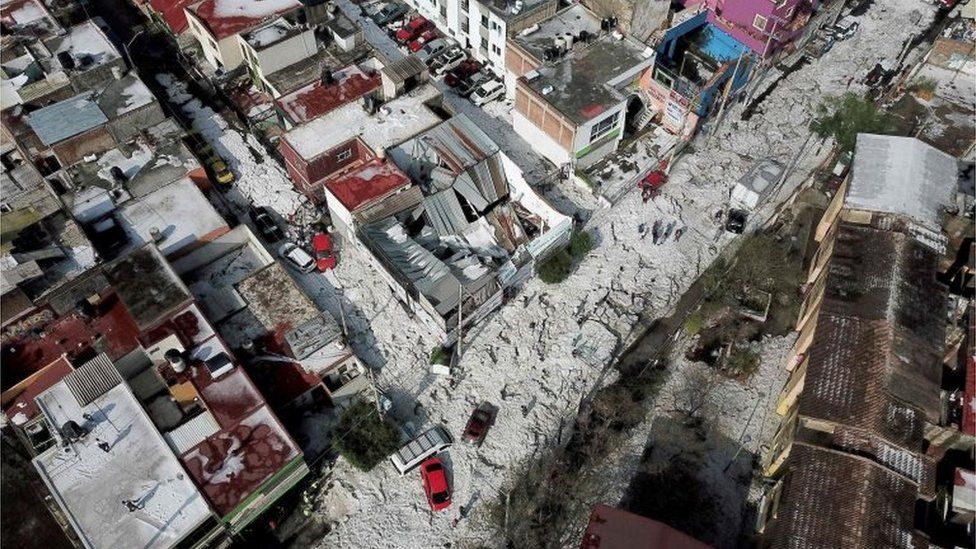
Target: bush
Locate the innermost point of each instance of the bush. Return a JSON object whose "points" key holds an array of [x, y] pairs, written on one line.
{"points": [[363, 437], [440, 355], [580, 244], [742, 362], [559, 265], [694, 323], [843, 117], [924, 85]]}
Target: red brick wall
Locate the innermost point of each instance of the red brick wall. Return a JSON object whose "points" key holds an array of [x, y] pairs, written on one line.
{"points": [[308, 175]]}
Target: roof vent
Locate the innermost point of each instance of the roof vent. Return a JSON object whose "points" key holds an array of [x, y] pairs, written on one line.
{"points": [[175, 359], [531, 75], [72, 431], [548, 89]]}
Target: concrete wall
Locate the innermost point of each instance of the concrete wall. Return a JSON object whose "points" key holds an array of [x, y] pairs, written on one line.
{"points": [[541, 142], [279, 55], [225, 53], [738, 18], [587, 151], [518, 62]]}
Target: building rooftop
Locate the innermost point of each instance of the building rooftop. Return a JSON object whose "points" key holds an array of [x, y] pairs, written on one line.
{"points": [[28, 17], [902, 176], [212, 271], [19, 404], [175, 217], [148, 286], [876, 360], [147, 163], [229, 17], [66, 118], [123, 96], [581, 85], [611, 528], [833, 499], [318, 98], [342, 26], [172, 12], [510, 9], [271, 33], [370, 182], [570, 21], [92, 485], [275, 305], [396, 121], [86, 44]]}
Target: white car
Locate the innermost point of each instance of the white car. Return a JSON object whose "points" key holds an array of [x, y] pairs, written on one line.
{"points": [[447, 61], [432, 48], [299, 258], [487, 92]]}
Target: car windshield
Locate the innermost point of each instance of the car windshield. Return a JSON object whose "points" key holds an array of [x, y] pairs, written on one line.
{"points": [[434, 467], [440, 497]]}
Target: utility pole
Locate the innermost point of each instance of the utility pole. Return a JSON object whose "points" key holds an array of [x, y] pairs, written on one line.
{"points": [[725, 94]]}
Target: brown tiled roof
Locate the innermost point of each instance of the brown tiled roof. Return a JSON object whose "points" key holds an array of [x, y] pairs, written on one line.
{"points": [[833, 500], [876, 359]]}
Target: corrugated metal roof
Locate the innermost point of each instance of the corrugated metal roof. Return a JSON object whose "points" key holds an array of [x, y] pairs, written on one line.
{"points": [[312, 335], [192, 432], [66, 119], [93, 379], [445, 213], [404, 68], [902, 176]]}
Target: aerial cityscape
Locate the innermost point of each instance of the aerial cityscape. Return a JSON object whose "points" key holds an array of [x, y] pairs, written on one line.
{"points": [[513, 274]]}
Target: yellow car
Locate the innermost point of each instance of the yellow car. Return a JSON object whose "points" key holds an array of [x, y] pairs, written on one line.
{"points": [[221, 173]]}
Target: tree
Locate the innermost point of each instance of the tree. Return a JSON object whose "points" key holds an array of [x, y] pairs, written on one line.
{"points": [[363, 437], [843, 117], [693, 397]]}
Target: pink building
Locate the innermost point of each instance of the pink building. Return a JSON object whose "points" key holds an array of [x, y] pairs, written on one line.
{"points": [[765, 26]]}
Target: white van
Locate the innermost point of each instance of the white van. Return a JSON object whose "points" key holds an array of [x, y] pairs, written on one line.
{"points": [[417, 450]]}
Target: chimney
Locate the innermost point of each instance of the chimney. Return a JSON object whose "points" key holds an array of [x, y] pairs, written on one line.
{"points": [[175, 359], [117, 73]]}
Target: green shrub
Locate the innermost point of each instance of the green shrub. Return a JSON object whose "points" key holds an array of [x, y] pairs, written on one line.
{"points": [[694, 323], [363, 437], [440, 355], [843, 117], [559, 265], [580, 244], [742, 362], [924, 84]]}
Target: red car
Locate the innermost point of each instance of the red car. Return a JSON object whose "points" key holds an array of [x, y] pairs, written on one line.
{"points": [[413, 29], [461, 72], [325, 258], [427, 36], [478, 424], [434, 478]]}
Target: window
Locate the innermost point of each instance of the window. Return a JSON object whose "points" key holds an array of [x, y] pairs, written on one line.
{"points": [[464, 27], [759, 22], [444, 11], [484, 21], [484, 43], [465, 4], [603, 127], [496, 49], [344, 155]]}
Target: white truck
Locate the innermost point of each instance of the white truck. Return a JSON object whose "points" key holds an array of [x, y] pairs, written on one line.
{"points": [[430, 442]]}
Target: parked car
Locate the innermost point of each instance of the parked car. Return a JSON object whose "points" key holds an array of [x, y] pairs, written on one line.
{"points": [[325, 258], [434, 479], [414, 452], [446, 60], [417, 26], [433, 48], [462, 71], [297, 257], [477, 427], [388, 13], [266, 225], [221, 173], [487, 92], [471, 83], [427, 36]]}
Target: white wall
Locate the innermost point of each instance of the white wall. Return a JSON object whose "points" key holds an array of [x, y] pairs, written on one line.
{"points": [[283, 53], [540, 141]]}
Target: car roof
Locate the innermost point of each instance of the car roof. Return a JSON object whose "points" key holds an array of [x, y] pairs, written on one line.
{"points": [[321, 239]]}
